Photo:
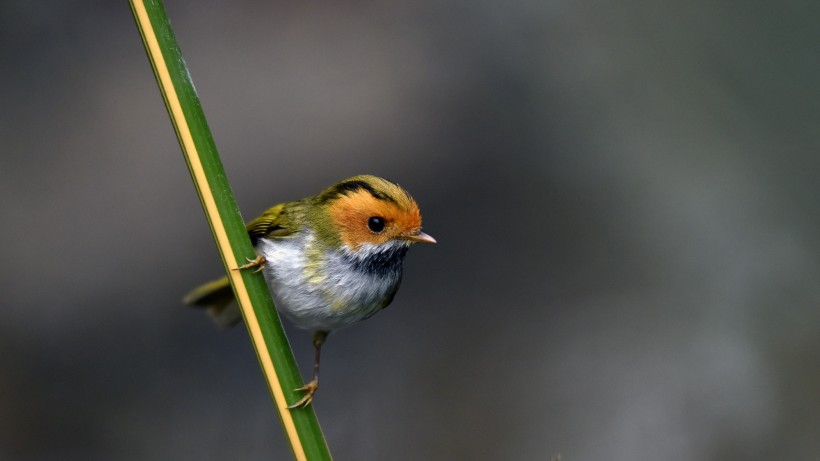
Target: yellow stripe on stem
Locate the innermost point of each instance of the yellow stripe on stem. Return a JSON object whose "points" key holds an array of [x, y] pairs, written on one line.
{"points": [[189, 147]]}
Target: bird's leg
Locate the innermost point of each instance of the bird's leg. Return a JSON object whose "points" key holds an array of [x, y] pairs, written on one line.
{"points": [[311, 387], [259, 263]]}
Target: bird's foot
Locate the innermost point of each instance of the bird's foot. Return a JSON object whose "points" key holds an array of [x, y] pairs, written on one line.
{"points": [[309, 389], [259, 263]]}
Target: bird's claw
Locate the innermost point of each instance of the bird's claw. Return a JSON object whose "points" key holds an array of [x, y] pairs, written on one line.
{"points": [[309, 389], [259, 262]]}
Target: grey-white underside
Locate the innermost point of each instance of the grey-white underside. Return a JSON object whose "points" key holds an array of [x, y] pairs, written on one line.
{"points": [[327, 289]]}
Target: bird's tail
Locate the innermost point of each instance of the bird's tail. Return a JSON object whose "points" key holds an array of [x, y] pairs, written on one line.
{"points": [[217, 299]]}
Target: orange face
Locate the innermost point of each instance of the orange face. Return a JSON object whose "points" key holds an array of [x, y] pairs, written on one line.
{"points": [[363, 218]]}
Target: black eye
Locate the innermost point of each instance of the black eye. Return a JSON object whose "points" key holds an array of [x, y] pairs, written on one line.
{"points": [[376, 224]]}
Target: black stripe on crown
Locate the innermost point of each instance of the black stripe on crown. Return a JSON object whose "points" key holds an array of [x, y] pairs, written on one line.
{"points": [[346, 187]]}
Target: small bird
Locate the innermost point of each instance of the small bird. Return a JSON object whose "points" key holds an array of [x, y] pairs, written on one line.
{"points": [[329, 260]]}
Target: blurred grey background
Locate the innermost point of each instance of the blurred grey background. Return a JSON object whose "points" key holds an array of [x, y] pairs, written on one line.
{"points": [[625, 196]]}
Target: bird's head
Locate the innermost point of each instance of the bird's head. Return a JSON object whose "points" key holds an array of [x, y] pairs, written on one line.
{"points": [[373, 212]]}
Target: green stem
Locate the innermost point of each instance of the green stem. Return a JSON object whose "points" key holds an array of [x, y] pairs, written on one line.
{"points": [[268, 338]]}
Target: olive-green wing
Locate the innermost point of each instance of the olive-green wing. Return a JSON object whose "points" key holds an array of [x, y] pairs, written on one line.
{"points": [[279, 221], [217, 296]]}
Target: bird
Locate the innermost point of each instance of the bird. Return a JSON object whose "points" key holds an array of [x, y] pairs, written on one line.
{"points": [[329, 260]]}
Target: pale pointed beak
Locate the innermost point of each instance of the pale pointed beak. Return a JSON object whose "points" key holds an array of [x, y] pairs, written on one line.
{"points": [[421, 237]]}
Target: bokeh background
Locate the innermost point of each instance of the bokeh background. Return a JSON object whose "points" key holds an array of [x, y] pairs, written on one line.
{"points": [[625, 195]]}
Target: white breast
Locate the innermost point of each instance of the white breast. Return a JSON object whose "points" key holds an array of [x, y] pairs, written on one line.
{"points": [[322, 289]]}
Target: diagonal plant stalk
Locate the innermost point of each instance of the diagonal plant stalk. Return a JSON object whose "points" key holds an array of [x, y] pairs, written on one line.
{"points": [[268, 338]]}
